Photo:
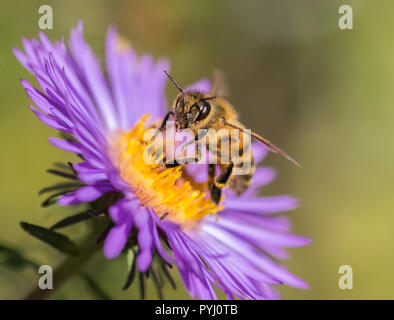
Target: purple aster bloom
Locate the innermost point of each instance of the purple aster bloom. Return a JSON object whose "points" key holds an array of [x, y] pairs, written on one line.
{"points": [[104, 113]]}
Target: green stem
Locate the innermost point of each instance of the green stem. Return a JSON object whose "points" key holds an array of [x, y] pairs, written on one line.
{"points": [[70, 267]]}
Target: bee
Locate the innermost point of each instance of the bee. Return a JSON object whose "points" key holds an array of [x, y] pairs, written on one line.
{"points": [[199, 112]]}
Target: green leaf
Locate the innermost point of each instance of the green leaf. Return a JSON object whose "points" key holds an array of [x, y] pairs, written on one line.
{"points": [[52, 199], [131, 266], [142, 285], [13, 259], [54, 239], [62, 174], [168, 275], [157, 283], [69, 186], [103, 234], [95, 288], [130, 258], [74, 219], [61, 165], [68, 136]]}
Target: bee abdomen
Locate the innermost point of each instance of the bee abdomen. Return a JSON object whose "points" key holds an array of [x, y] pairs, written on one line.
{"points": [[239, 183]]}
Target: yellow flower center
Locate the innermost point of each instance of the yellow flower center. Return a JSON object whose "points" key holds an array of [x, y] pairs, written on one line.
{"points": [[170, 192]]}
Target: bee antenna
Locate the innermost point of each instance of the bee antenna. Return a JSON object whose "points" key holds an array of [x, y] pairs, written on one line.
{"points": [[173, 81], [208, 98]]}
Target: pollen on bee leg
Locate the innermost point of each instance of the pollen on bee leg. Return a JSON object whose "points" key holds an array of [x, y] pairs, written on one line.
{"points": [[172, 195]]}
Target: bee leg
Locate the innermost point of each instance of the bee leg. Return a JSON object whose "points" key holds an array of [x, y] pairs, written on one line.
{"points": [[171, 165], [161, 128], [216, 193], [211, 175], [165, 119], [163, 124], [177, 163], [216, 190], [188, 160]]}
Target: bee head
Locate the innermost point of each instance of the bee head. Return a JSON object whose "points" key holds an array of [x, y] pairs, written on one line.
{"points": [[190, 108]]}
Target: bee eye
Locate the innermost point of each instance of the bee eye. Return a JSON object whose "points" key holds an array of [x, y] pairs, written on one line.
{"points": [[193, 112], [205, 108]]}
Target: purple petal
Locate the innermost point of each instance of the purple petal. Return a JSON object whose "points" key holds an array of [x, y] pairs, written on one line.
{"points": [[203, 85], [116, 239], [263, 205], [51, 122], [92, 75], [84, 194], [259, 151], [22, 58], [65, 145], [145, 239], [122, 209], [39, 99]]}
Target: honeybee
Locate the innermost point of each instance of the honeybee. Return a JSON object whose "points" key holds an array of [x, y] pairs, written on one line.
{"points": [[199, 112]]}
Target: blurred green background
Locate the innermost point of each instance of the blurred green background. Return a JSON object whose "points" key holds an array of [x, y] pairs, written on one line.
{"points": [[323, 94]]}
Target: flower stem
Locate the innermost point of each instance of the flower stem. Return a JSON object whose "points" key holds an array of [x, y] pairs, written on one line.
{"points": [[70, 267]]}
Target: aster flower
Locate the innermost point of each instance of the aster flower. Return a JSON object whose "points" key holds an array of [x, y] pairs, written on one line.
{"points": [[103, 117]]}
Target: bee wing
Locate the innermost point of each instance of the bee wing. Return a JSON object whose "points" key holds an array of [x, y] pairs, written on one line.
{"points": [[219, 85], [265, 141], [274, 148]]}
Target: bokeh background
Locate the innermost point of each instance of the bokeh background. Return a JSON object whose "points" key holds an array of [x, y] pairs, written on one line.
{"points": [[323, 94]]}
